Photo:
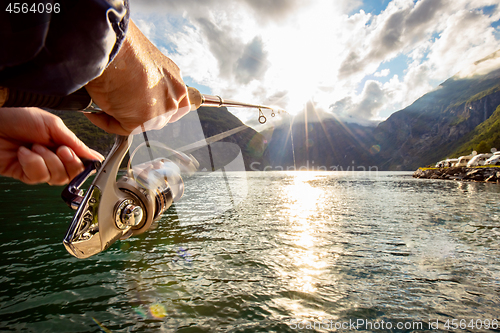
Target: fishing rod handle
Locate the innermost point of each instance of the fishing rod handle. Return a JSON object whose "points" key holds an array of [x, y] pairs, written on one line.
{"points": [[195, 98], [79, 100], [198, 99]]}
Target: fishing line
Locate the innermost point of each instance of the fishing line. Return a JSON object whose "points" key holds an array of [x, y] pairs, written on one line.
{"points": [[147, 141], [212, 139], [293, 149]]}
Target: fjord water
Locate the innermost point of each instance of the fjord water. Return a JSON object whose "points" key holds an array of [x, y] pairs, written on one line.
{"points": [[302, 247]]}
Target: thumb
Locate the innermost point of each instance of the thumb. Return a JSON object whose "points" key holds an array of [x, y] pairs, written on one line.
{"points": [[107, 123]]}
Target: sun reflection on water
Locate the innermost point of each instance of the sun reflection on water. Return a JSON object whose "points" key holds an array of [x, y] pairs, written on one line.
{"points": [[303, 202]]}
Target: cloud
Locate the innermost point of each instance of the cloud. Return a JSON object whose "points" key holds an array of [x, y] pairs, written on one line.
{"points": [[382, 73], [390, 37], [289, 52], [342, 106], [398, 28], [273, 10], [440, 37], [147, 28], [467, 38], [373, 98], [422, 16], [364, 108], [415, 82], [252, 64], [261, 10], [236, 60], [483, 66], [225, 48]]}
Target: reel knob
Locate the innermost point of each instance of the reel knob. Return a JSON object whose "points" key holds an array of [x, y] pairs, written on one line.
{"points": [[128, 215], [132, 215]]}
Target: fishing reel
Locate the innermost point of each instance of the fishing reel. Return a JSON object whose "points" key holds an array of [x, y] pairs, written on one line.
{"points": [[112, 208]]}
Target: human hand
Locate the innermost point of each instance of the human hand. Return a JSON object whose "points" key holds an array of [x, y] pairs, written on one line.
{"points": [[139, 85], [44, 133]]}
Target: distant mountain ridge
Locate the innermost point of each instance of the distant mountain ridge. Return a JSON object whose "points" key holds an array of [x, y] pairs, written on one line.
{"points": [[442, 123], [318, 142], [433, 127]]}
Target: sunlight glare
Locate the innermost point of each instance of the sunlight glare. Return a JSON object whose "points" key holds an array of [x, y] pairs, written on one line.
{"points": [[301, 59], [304, 201]]}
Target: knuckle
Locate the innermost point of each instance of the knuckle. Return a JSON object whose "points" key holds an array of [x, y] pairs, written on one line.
{"points": [[56, 122], [58, 180]]}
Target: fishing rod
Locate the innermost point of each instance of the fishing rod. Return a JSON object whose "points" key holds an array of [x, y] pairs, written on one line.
{"points": [[197, 99], [115, 207], [81, 101]]}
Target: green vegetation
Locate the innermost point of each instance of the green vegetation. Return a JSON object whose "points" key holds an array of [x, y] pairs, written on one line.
{"points": [[483, 147], [458, 120], [484, 137], [483, 94], [463, 94], [471, 99]]}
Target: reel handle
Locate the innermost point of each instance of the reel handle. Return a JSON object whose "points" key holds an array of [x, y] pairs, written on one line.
{"points": [[93, 227], [72, 195]]}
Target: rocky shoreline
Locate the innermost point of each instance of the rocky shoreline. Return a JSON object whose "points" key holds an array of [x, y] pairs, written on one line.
{"points": [[460, 173]]}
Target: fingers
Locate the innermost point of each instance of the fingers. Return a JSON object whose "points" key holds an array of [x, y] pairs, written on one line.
{"points": [[34, 169], [62, 136], [97, 155], [41, 165], [111, 125], [179, 97], [72, 164], [53, 165]]}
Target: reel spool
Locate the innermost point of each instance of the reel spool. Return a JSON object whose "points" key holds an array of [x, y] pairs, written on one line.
{"points": [[155, 186]]}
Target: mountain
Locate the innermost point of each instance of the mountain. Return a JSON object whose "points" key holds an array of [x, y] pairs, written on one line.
{"points": [[218, 122], [91, 135], [436, 125], [320, 142], [484, 137], [451, 120]]}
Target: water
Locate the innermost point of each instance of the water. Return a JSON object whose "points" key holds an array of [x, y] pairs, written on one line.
{"points": [[303, 247]]}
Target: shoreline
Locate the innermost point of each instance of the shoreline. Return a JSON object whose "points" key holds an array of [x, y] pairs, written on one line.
{"points": [[489, 174]]}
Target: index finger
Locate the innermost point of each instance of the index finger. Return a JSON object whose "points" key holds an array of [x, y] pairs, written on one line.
{"points": [[62, 136]]}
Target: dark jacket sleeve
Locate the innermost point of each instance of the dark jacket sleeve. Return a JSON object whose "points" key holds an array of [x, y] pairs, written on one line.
{"points": [[58, 53]]}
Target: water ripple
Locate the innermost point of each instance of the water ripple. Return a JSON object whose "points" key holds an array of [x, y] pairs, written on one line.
{"points": [[301, 246]]}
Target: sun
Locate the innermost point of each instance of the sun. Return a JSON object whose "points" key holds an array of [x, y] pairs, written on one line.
{"points": [[302, 61]]}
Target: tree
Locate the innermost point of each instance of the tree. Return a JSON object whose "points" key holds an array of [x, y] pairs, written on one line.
{"points": [[483, 147]]}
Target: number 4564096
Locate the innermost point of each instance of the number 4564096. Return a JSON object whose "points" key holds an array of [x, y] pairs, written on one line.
{"points": [[472, 324], [40, 8]]}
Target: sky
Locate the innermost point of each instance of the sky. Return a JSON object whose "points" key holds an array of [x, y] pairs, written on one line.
{"points": [[360, 60]]}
